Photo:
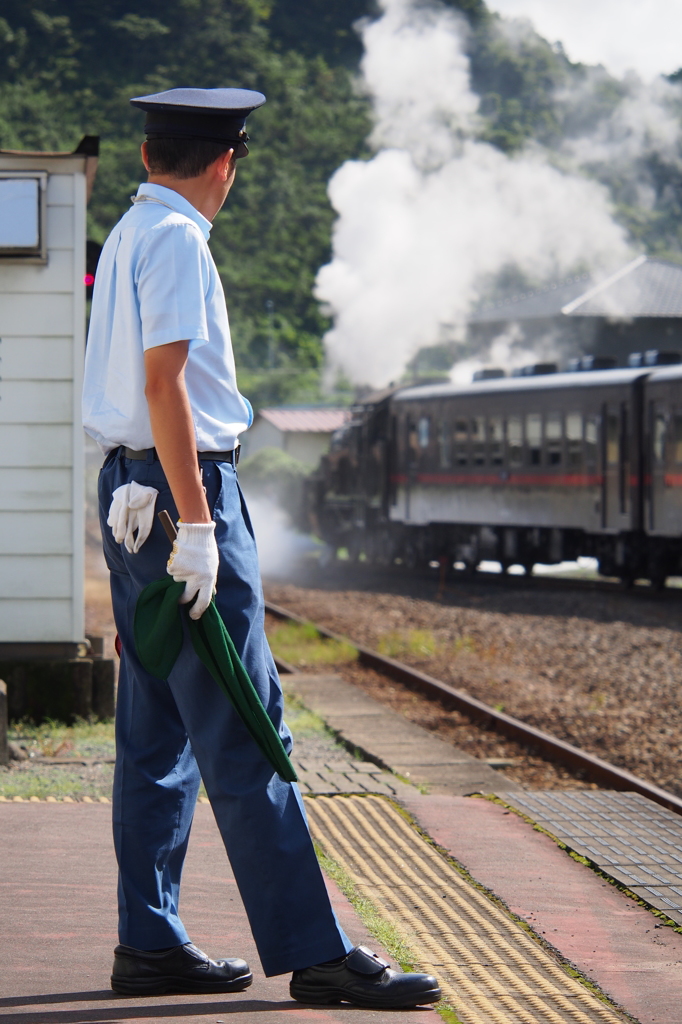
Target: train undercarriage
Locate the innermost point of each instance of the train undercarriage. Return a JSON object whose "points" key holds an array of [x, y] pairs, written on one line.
{"points": [[364, 535]]}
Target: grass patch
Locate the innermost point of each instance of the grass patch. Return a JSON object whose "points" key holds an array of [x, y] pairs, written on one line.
{"points": [[57, 782], [417, 642], [300, 644], [301, 720], [84, 738], [465, 645]]}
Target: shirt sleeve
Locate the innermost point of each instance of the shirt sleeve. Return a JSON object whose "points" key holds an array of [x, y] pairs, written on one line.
{"points": [[171, 282]]}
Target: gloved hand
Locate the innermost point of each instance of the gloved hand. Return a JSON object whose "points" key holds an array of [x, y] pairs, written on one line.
{"points": [[194, 562], [132, 509]]}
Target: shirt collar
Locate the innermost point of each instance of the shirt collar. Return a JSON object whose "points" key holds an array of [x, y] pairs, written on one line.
{"points": [[177, 203]]}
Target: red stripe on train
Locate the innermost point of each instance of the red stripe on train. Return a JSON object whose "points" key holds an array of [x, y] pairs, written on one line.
{"points": [[500, 479]]}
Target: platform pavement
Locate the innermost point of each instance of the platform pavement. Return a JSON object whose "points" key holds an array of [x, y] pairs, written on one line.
{"points": [[390, 740], [611, 939], [616, 943], [58, 914]]}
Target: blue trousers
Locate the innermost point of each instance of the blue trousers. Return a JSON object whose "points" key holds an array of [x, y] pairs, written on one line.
{"points": [[170, 735]]}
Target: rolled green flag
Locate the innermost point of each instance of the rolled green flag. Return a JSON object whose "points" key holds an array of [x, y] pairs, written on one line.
{"points": [[158, 639]]}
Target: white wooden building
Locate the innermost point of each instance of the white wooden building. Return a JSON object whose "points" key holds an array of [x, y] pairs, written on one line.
{"points": [[304, 433], [43, 199]]}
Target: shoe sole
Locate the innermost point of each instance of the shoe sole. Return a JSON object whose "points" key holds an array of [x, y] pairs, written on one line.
{"points": [[174, 986], [315, 996]]}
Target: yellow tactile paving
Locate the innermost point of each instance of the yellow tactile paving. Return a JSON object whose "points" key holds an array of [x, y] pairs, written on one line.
{"points": [[55, 800], [490, 969]]}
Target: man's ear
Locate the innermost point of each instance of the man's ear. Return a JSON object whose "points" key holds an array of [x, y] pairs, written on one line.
{"points": [[145, 155], [224, 164]]}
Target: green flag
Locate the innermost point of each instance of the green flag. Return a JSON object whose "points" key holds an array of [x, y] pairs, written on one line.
{"points": [[158, 639]]}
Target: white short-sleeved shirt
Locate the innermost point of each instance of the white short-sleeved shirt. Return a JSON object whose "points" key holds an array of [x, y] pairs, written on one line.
{"points": [[157, 283]]}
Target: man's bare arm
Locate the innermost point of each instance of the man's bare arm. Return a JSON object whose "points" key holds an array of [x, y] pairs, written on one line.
{"points": [[173, 428]]}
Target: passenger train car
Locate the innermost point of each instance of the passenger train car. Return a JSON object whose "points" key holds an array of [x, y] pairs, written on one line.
{"points": [[521, 470]]}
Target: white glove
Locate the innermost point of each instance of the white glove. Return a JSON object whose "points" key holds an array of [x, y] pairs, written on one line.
{"points": [[132, 509], [194, 562]]}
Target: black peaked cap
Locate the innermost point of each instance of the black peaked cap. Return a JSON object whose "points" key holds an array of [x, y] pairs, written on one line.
{"points": [[217, 114]]}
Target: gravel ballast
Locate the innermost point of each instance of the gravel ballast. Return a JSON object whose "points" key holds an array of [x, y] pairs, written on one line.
{"points": [[600, 670]]}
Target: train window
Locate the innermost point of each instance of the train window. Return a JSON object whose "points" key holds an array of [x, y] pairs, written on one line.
{"points": [[553, 438], [444, 444], [534, 437], [612, 437], [412, 440], [659, 437], [591, 436], [461, 437], [423, 431], [477, 426], [496, 440], [515, 440], [677, 434], [574, 438]]}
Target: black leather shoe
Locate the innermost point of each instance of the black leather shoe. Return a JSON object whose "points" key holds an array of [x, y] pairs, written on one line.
{"points": [[364, 979], [181, 969]]}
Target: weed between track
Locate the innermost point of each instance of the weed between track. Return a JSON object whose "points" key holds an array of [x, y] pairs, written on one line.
{"points": [[300, 644]]}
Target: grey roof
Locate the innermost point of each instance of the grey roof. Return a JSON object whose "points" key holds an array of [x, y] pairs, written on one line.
{"points": [[644, 287], [534, 305]]}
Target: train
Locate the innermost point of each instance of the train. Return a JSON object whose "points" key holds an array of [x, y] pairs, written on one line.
{"points": [[541, 467]]}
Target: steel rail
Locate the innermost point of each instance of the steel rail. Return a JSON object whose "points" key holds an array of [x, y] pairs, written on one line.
{"points": [[554, 749]]}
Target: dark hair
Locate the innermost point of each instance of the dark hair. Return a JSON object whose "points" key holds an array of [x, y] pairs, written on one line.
{"points": [[184, 158]]}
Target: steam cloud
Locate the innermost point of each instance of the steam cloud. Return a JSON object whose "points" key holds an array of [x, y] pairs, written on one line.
{"points": [[436, 213]]}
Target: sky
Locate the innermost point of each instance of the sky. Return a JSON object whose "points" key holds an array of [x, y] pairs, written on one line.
{"points": [[640, 35]]}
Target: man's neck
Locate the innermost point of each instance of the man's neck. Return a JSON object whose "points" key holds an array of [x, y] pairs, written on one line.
{"points": [[196, 191]]}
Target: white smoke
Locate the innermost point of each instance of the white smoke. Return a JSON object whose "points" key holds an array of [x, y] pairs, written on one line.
{"points": [[436, 212], [280, 547], [642, 129]]}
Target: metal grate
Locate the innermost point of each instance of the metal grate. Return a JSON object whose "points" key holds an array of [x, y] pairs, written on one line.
{"points": [[630, 838]]}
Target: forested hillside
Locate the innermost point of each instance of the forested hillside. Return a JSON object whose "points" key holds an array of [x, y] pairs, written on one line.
{"points": [[67, 68]]}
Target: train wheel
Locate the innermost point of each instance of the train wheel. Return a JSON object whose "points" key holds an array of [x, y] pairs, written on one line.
{"points": [[354, 548], [385, 550], [410, 557]]}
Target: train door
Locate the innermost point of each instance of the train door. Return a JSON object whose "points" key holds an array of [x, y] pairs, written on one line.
{"points": [[411, 460], [657, 426], [392, 465], [616, 498]]}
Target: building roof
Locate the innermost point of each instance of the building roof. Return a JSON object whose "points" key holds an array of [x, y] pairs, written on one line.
{"points": [[644, 287], [534, 305], [306, 421]]}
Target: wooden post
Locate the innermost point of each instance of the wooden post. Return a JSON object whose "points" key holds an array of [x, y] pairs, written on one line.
{"points": [[4, 748]]}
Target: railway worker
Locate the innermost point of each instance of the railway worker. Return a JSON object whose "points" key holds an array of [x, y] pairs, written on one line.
{"points": [[160, 397]]}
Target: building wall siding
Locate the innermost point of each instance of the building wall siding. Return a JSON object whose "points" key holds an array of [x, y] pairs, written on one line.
{"points": [[42, 327]]}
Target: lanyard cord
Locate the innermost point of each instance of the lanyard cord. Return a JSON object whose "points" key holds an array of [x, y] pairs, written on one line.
{"points": [[151, 199]]}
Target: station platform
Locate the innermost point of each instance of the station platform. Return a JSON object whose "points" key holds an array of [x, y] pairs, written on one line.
{"points": [[477, 890], [595, 915], [58, 913]]}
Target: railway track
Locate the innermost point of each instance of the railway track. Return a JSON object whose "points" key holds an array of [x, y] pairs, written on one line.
{"points": [[555, 750], [544, 581]]}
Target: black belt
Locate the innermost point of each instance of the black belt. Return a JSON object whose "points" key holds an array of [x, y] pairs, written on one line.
{"points": [[143, 455]]}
